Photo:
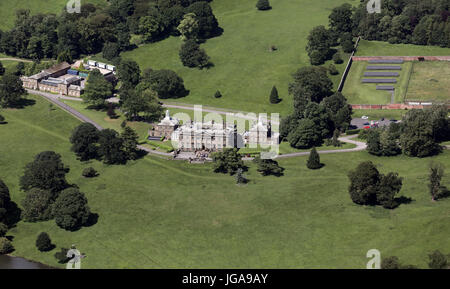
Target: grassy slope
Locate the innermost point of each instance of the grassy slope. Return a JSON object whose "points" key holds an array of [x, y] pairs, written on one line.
{"points": [[366, 93], [380, 48], [8, 8], [245, 70], [156, 213], [430, 81]]}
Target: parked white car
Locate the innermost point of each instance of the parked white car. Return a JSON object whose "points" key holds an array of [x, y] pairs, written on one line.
{"points": [[365, 117]]}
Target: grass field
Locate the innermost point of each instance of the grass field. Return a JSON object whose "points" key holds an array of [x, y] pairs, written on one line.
{"points": [[244, 68], [430, 81], [380, 48], [366, 93], [167, 214], [8, 8]]}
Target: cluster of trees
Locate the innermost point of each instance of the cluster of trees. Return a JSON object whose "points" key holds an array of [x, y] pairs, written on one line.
{"points": [[49, 196], [369, 187], [9, 215], [317, 110], [11, 90], [436, 260], [401, 21], [102, 28], [90, 143], [418, 135]]}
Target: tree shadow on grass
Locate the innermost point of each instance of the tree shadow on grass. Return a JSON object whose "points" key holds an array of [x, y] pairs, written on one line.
{"points": [[22, 103], [92, 220]]}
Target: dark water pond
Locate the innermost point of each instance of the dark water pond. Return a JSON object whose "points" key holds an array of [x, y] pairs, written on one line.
{"points": [[8, 262]]}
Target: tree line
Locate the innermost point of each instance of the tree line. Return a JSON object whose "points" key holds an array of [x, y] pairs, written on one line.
{"points": [[400, 21], [105, 28]]}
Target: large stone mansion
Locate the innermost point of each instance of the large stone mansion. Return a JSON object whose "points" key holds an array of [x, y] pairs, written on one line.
{"points": [[195, 136]]}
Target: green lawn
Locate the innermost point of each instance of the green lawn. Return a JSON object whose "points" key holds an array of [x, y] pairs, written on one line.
{"points": [[8, 8], [366, 93], [377, 114], [430, 81], [244, 68], [169, 214], [380, 48]]}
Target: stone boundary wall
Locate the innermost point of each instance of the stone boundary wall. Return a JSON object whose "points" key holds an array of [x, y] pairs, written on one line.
{"points": [[405, 58]]}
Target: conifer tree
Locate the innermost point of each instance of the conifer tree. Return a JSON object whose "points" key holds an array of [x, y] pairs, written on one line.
{"points": [[274, 95], [314, 160]]}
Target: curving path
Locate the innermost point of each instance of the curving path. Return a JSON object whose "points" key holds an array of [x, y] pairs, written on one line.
{"points": [[360, 146]]}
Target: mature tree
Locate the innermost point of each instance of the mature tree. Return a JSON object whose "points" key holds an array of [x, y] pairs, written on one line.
{"points": [[335, 140], [263, 5], [20, 68], [227, 161], [137, 102], [274, 95], [189, 27], [129, 73], [341, 19], [3, 230], [37, 205], [84, 141], [320, 41], [5, 203], [311, 82], [46, 172], [347, 43], [89, 172], [2, 69], [321, 118], [364, 182], [268, 167], [11, 90], [373, 142], [43, 242], [369, 187], [166, 83], [389, 186], [305, 135], [5, 246], [438, 260], [71, 210], [287, 124], [440, 122], [418, 139], [151, 26], [313, 162], [389, 142], [97, 90], [130, 143], [110, 147], [111, 50], [207, 23], [435, 187], [192, 55]]}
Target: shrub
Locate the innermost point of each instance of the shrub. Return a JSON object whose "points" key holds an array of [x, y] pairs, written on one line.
{"points": [[437, 260], [263, 5], [337, 59], [5, 246], [333, 70], [217, 94], [89, 172], [43, 242], [2, 119], [313, 162], [353, 131]]}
